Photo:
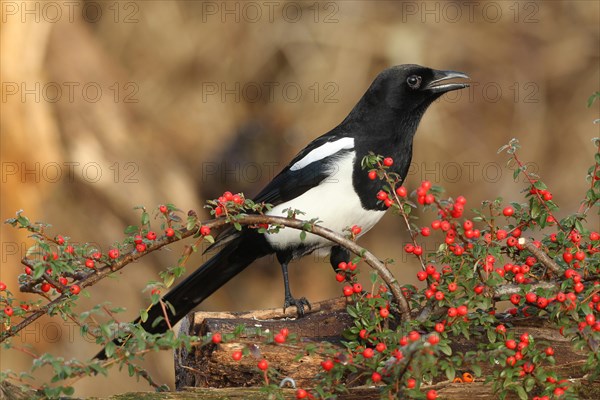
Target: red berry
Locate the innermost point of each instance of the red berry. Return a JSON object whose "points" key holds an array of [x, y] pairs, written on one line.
{"points": [[279, 338], [151, 235], [216, 338], [568, 257], [413, 336], [113, 253], [590, 319], [372, 174], [431, 395], [411, 383], [380, 347], [368, 353], [170, 232], [452, 312], [75, 289], [384, 312], [89, 263], [542, 302], [237, 355], [347, 290], [8, 311], [163, 209], [263, 365], [510, 344], [418, 251], [340, 277], [301, 394], [45, 287], [2, 286], [501, 329], [401, 191], [381, 195], [433, 339], [549, 351], [204, 230], [425, 231], [515, 299], [327, 365], [63, 281], [140, 248], [439, 295], [357, 288], [60, 240], [388, 161], [237, 199], [462, 310], [508, 211], [376, 377], [439, 327], [594, 236], [452, 286], [356, 230], [531, 297]]}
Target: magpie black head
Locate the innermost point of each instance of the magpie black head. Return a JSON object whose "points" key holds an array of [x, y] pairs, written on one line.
{"points": [[410, 87], [398, 98]]}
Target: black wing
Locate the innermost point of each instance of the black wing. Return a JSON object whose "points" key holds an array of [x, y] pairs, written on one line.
{"points": [[289, 184]]}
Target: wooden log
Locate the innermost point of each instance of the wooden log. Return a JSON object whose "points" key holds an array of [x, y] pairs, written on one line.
{"points": [[211, 366]]}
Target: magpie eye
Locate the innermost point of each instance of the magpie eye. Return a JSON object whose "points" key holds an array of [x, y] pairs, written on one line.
{"points": [[414, 81]]}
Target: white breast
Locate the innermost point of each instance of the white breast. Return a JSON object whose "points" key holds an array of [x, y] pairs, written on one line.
{"points": [[333, 202]]}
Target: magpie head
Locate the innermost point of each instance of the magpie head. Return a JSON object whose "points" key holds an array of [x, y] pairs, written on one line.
{"points": [[412, 88]]}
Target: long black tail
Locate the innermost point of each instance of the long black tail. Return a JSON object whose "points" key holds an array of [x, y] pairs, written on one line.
{"points": [[232, 259]]}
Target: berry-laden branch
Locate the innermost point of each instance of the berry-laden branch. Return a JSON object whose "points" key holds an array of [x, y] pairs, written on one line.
{"points": [[252, 220]]}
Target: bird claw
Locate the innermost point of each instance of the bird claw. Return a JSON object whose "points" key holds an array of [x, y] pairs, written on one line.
{"points": [[298, 303]]}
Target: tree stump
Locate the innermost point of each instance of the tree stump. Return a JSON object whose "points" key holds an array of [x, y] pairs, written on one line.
{"points": [[212, 366]]}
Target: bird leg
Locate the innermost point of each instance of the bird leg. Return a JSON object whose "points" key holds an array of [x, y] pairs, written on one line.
{"points": [[289, 299]]}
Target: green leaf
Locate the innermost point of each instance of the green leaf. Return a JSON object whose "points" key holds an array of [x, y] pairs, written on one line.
{"points": [[450, 373], [209, 239], [535, 210], [303, 236], [521, 392], [145, 218], [109, 350], [444, 348], [131, 229], [143, 315], [492, 335]]}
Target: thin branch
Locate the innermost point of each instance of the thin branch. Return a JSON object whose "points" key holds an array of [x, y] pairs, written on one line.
{"points": [[132, 256], [540, 255]]}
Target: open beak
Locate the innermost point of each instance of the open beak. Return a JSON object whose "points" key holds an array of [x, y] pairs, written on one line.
{"points": [[437, 85]]}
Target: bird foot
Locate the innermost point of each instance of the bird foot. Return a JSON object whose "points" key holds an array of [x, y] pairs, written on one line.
{"points": [[298, 303]]}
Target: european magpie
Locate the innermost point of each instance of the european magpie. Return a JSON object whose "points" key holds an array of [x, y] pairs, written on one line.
{"points": [[325, 181]]}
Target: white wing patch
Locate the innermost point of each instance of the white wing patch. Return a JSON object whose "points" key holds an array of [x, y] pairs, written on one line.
{"points": [[323, 151], [323, 202]]}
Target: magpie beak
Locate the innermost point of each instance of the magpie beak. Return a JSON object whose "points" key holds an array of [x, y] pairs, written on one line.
{"points": [[442, 76]]}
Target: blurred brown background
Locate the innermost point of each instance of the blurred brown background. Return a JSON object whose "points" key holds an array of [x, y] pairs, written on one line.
{"points": [[109, 105]]}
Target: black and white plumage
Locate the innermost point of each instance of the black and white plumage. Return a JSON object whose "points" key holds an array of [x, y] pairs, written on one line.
{"points": [[325, 181]]}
